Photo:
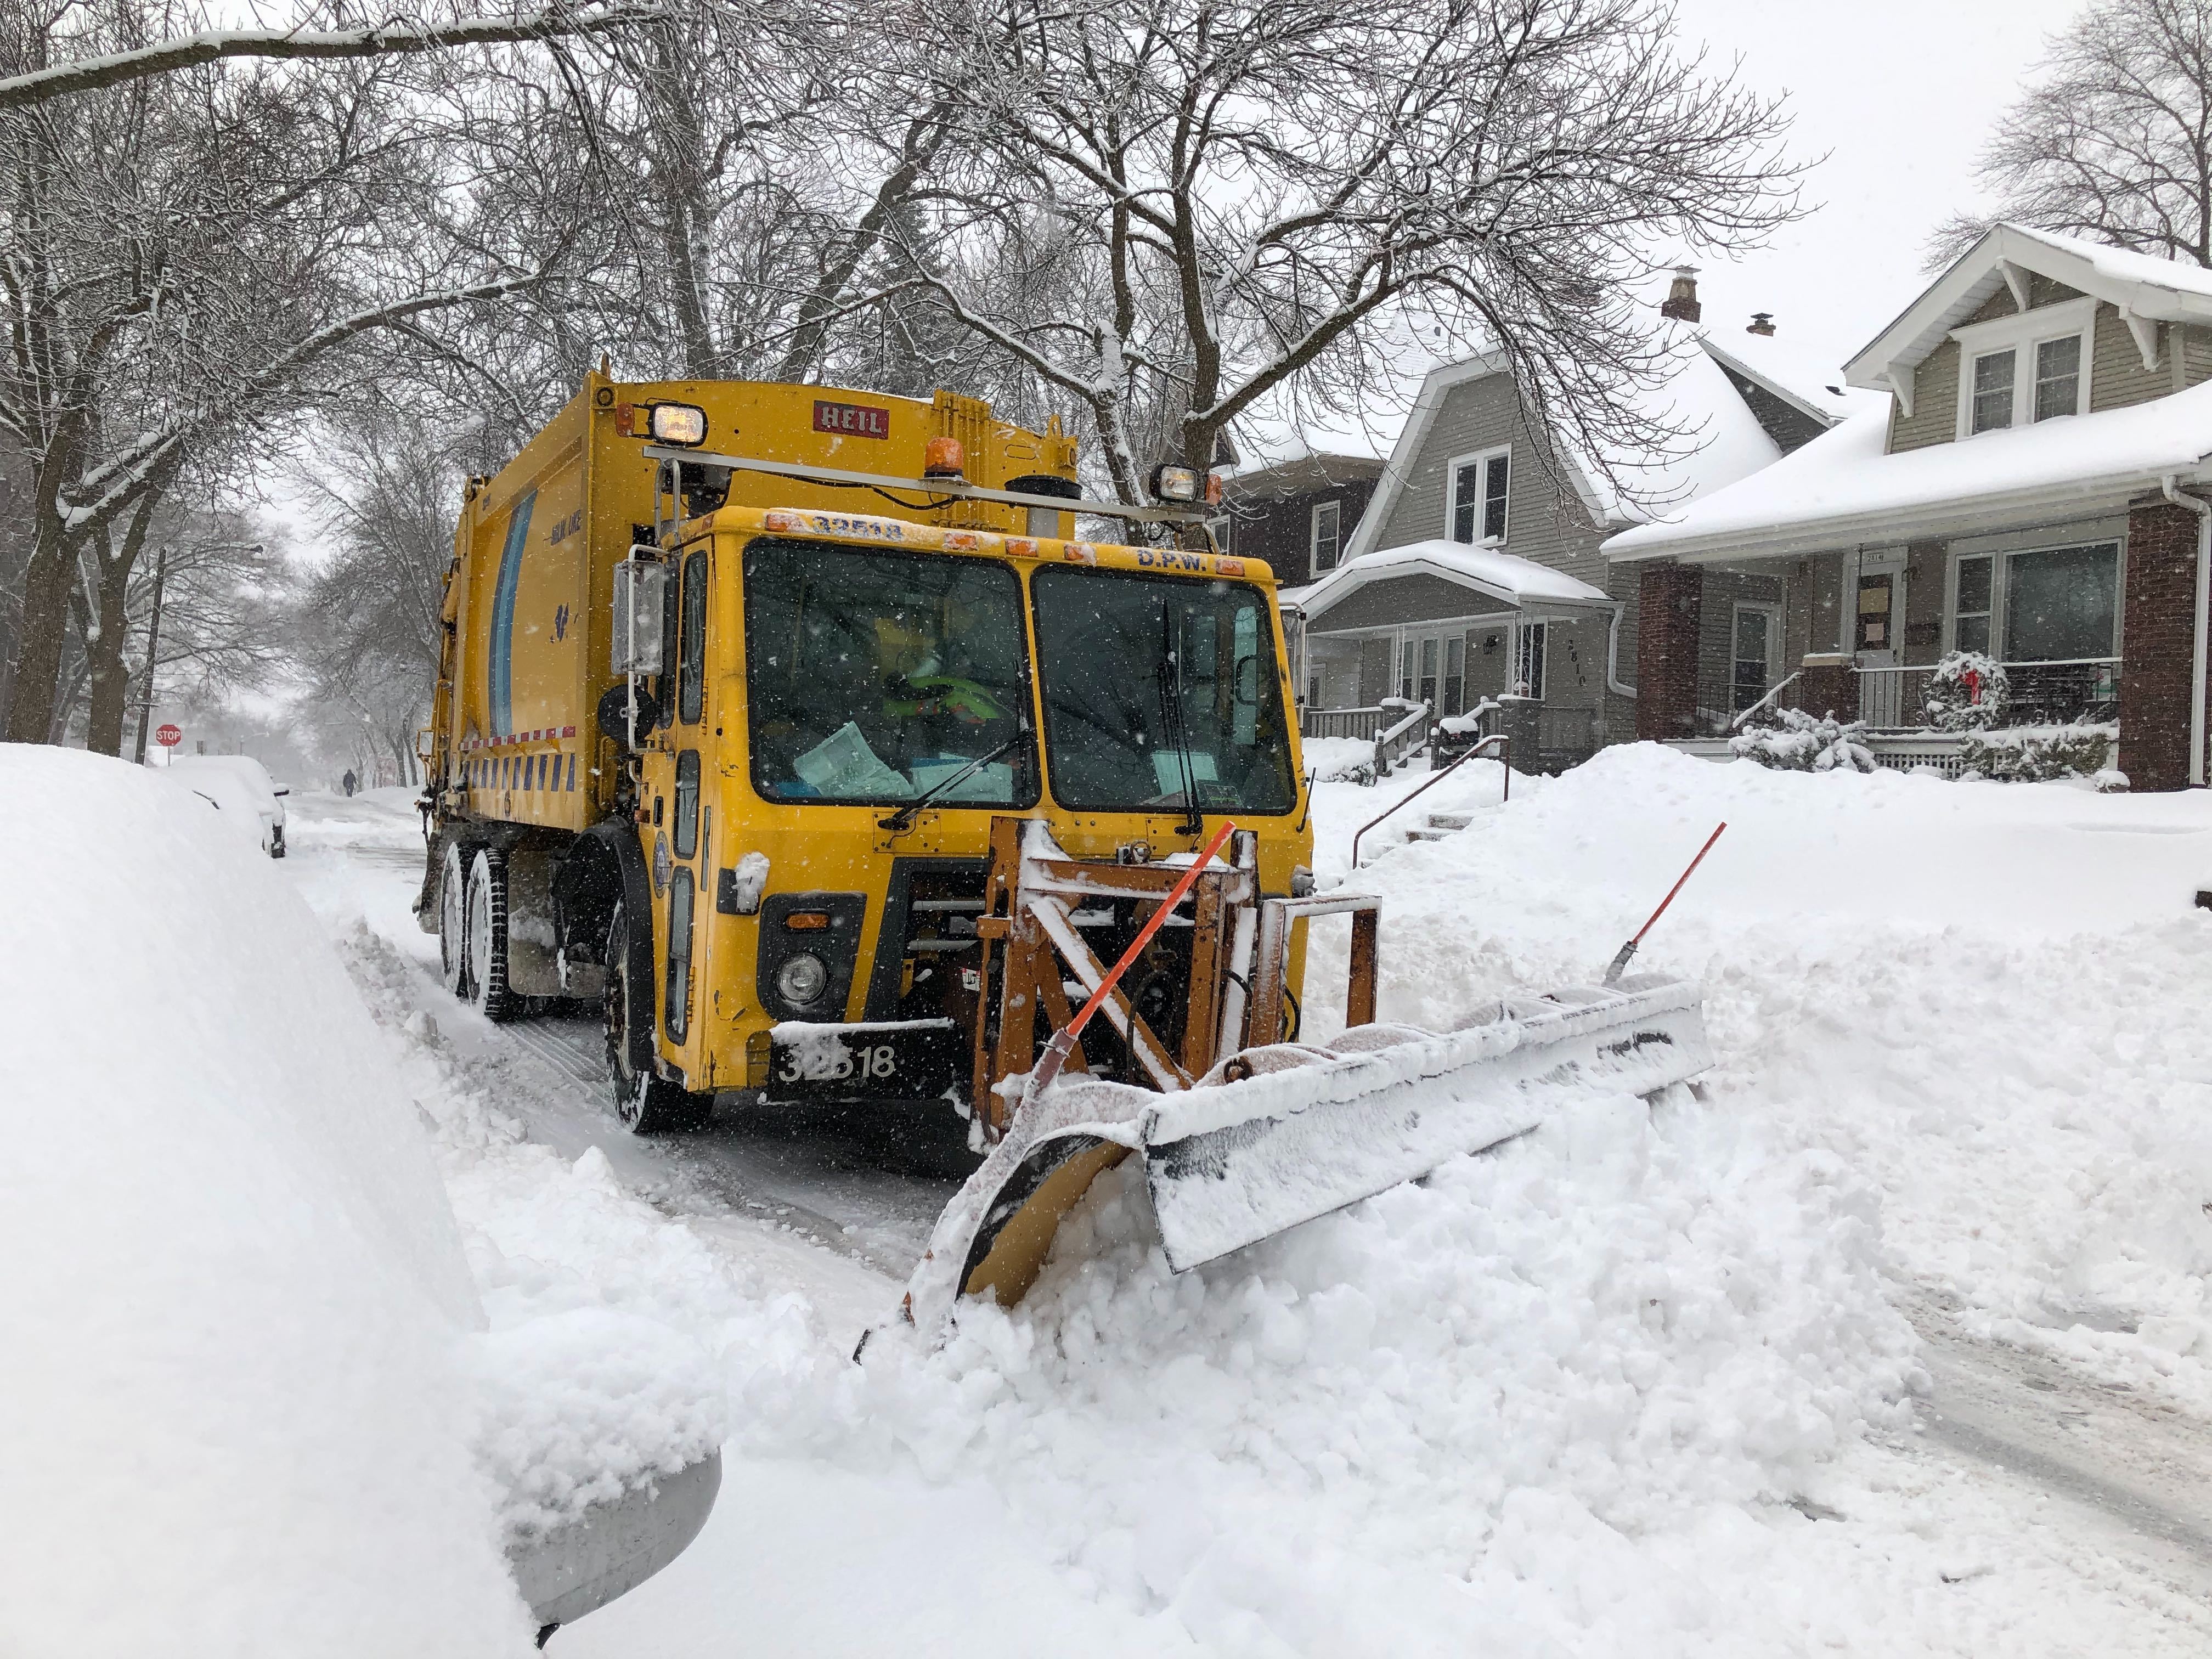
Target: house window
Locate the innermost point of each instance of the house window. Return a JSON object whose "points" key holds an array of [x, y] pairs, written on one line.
{"points": [[1528, 660], [2058, 377], [1993, 391], [1313, 690], [2017, 369], [1480, 485], [1327, 535], [1970, 625], [2043, 605], [1753, 669], [2061, 604]]}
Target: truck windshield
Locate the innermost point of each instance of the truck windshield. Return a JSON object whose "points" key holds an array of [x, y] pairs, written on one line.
{"points": [[874, 676], [1156, 688]]}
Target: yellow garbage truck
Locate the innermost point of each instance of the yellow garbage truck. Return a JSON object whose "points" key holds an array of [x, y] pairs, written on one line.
{"points": [[797, 727], [720, 730]]}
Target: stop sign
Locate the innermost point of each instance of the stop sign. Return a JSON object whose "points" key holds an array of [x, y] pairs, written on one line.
{"points": [[168, 736]]}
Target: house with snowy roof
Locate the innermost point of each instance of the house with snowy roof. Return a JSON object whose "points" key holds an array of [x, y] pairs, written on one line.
{"points": [[1476, 570], [2035, 485]]}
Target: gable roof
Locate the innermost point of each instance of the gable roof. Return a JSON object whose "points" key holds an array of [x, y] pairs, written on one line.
{"points": [[2146, 290], [1506, 578], [1699, 397]]}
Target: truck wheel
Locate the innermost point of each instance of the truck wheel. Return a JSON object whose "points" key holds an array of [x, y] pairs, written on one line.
{"points": [[453, 921], [487, 936], [646, 1104]]}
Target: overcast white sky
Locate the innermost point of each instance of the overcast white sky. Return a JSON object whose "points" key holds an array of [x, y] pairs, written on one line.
{"points": [[1899, 94]]}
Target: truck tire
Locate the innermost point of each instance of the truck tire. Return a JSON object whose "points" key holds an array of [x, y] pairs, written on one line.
{"points": [[453, 921], [487, 936], [644, 1103]]}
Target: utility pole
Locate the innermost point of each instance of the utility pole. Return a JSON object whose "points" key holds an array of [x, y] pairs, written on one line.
{"points": [[153, 653]]}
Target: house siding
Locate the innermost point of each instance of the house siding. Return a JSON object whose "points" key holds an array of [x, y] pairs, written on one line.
{"points": [[2118, 378], [1935, 418], [1280, 531], [2195, 356], [1544, 520]]}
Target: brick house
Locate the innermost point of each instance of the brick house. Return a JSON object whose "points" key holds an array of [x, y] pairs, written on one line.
{"points": [[1298, 514], [2029, 487], [1476, 566]]}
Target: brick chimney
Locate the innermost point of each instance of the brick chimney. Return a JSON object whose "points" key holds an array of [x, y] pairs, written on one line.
{"points": [[1762, 322], [1681, 301]]}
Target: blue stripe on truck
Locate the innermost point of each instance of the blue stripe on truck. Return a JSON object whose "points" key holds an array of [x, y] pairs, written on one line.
{"points": [[502, 616]]}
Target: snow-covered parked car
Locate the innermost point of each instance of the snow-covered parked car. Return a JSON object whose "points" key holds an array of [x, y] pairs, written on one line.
{"points": [[240, 785], [252, 1354]]}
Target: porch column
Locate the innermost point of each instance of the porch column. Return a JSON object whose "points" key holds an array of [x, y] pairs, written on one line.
{"points": [[1826, 684], [2158, 645], [1668, 606]]}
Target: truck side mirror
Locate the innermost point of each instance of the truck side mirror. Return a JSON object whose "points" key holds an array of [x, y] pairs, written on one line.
{"points": [[642, 590]]}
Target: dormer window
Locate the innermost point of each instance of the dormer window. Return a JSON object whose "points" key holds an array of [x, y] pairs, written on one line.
{"points": [[2016, 370], [1993, 379]]}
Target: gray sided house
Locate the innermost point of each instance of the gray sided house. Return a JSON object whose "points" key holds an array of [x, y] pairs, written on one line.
{"points": [[1299, 514], [1476, 568], [2032, 486]]}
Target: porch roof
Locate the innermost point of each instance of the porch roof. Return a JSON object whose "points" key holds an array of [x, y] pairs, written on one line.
{"points": [[1506, 578], [1841, 489]]}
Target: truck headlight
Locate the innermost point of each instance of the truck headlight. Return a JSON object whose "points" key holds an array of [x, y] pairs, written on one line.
{"points": [[800, 980], [678, 423]]}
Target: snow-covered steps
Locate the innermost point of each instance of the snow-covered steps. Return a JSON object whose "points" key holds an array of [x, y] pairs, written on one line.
{"points": [[1440, 824]]}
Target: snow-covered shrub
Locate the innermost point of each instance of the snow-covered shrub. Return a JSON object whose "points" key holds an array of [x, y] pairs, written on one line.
{"points": [[1969, 691], [1791, 740], [2032, 754], [1340, 760]]}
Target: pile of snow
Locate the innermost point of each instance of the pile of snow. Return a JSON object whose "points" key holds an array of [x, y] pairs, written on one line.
{"points": [[238, 1303], [1339, 760], [1985, 998], [247, 1350], [1336, 1442]]}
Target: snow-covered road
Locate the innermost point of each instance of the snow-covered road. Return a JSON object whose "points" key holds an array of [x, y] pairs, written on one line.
{"points": [[2069, 1478]]}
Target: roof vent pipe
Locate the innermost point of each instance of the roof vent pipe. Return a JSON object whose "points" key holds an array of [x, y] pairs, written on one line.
{"points": [[1762, 322], [1681, 301]]}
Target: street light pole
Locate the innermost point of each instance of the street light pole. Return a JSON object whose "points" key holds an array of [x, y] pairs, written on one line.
{"points": [[153, 653]]}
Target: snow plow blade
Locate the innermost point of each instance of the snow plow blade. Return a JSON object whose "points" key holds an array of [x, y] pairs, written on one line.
{"points": [[1280, 1134]]}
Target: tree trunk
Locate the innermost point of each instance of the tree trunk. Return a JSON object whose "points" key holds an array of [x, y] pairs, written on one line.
{"points": [[40, 635], [111, 675]]}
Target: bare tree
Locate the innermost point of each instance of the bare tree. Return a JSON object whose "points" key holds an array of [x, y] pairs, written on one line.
{"points": [[2113, 140], [1193, 205], [180, 260], [397, 34]]}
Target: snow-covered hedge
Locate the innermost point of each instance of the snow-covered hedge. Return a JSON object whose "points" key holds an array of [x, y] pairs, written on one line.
{"points": [[1340, 760], [1792, 740], [2033, 754], [1969, 691]]}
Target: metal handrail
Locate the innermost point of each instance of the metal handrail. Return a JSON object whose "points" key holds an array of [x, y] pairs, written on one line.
{"points": [[1772, 692], [1436, 778]]}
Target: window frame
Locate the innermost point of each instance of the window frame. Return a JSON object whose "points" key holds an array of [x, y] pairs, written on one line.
{"points": [[1772, 613], [1481, 461], [1333, 507], [1515, 647], [1999, 648], [2022, 334]]}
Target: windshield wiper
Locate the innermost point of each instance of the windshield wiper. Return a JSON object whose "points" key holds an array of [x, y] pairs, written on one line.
{"points": [[1172, 725], [900, 822]]}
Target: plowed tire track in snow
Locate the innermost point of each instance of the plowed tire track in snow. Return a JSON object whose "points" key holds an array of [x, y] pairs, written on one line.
{"points": [[2135, 1472]]}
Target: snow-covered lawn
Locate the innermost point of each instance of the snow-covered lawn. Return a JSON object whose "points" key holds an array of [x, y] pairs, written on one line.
{"points": [[1637, 1385]]}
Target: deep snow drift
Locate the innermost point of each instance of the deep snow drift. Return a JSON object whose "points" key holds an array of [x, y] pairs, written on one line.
{"points": [[231, 1417], [1985, 998]]}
